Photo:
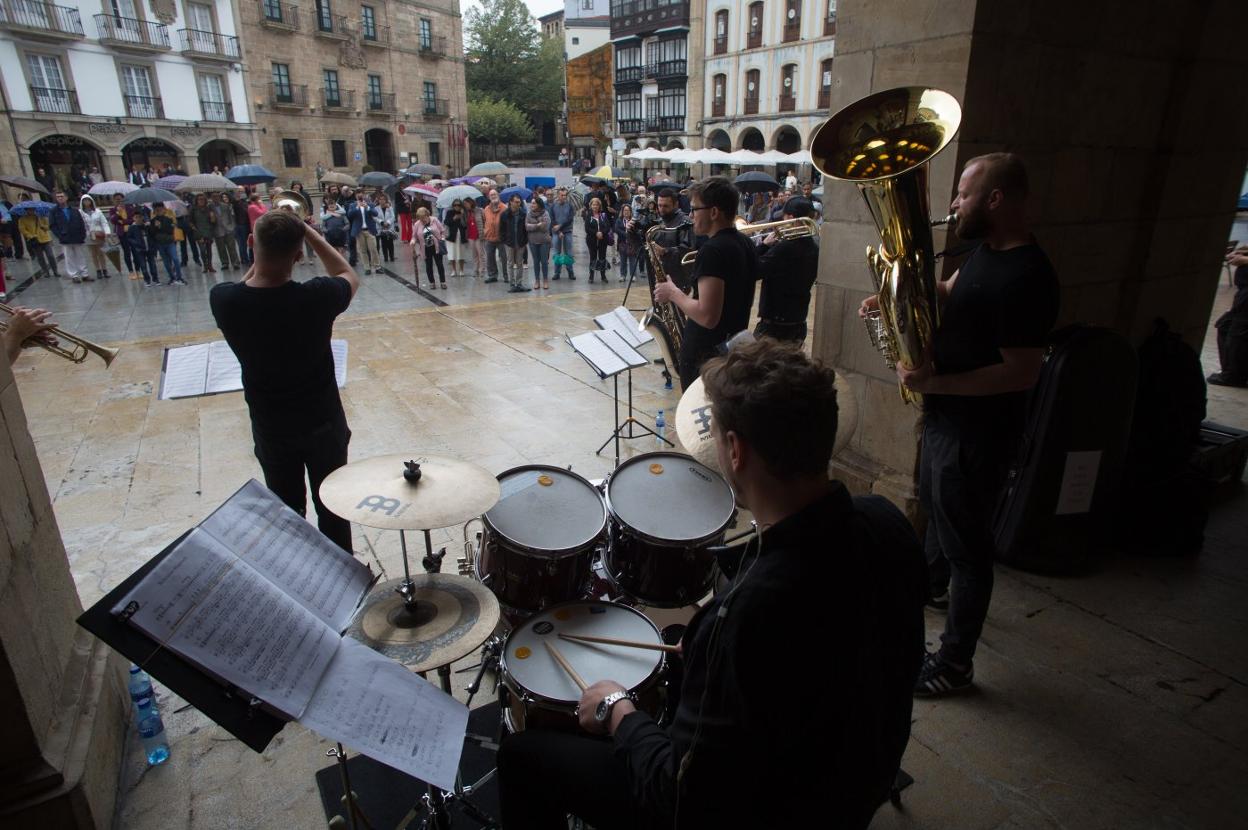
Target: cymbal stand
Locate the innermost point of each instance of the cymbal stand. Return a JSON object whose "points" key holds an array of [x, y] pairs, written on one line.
{"points": [[630, 423], [355, 814]]}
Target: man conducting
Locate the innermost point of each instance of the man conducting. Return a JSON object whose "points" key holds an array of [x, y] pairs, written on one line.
{"points": [[280, 331], [786, 270], [735, 724], [722, 278], [997, 311]]}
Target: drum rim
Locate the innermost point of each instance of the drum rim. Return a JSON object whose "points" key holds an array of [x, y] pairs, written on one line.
{"points": [[650, 602], [537, 697], [516, 609], [667, 543], [550, 553]]}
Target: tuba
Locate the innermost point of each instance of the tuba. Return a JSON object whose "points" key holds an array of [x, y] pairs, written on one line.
{"points": [[663, 320], [882, 143]]}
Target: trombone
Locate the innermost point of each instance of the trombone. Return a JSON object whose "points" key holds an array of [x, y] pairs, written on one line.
{"points": [[80, 347], [799, 227]]}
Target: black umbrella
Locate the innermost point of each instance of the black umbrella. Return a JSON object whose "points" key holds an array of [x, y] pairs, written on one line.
{"points": [[424, 170], [756, 182], [595, 180], [377, 179], [149, 195], [250, 174], [24, 183]]}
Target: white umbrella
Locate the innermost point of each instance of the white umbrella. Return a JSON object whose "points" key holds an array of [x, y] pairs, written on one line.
{"points": [[774, 156], [710, 155], [747, 157], [800, 157], [684, 156], [109, 188], [459, 191], [206, 183], [647, 154]]}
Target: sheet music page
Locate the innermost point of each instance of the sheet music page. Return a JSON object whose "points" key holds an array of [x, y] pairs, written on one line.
{"points": [[379, 708], [607, 362], [225, 374], [621, 349], [622, 323], [287, 549], [339, 348], [186, 372], [207, 605]]}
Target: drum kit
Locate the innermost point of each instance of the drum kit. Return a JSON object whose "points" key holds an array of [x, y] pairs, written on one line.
{"points": [[554, 587]]}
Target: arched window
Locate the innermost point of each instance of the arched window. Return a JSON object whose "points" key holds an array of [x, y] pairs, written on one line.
{"points": [[754, 26], [792, 20], [825, 84], [788, 87], [719, 95], [721, 31], [751, 92]]}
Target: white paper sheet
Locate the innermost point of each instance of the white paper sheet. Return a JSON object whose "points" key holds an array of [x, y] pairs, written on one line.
{"points": [[607, 352], [291, 553], [620, 321], [212, 608], [339, 348], [211, 368], [1078, 482], [225, 373], [379, 708], [186, 371]]}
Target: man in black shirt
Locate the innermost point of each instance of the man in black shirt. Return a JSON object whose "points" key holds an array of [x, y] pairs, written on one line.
{"points": [[997, 312], [674, 241], [735, 724], [280, 331], [787, 269], [723, 278]]}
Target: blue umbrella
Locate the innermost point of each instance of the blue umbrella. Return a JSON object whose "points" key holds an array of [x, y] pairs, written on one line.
{"points": [[43, 208], [4, 214], [149, 195], [250, 174], [516, 190]]}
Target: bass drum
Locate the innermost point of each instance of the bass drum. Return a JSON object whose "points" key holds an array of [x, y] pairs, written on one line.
{"points": [[538, 542]]}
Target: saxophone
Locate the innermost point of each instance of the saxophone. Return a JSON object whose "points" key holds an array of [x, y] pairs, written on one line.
{"points": [[663, 320]]}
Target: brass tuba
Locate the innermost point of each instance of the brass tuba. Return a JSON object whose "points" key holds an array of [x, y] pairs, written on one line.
{"points": [[882, 143], [664, 321]]}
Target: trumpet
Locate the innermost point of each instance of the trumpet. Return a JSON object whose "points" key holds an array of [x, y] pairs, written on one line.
{"points": [[81, 347], [799, 227], [293, 201]]}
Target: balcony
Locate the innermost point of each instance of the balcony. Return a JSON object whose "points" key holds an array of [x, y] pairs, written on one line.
{"points": [[377, 36], [640, 17], [721, 45], [132, 34], [631, 125], [717, 109], [753, 40], [668, 69], [48, 99], [332, 26], [337, 101], [788, 103], [197, 43], [629, 74], [143, 106], [381, 103], [751, 105], [437, 108], [825, 98], [829, 25], [433, 46], [288, 95], [792, 32], [282, 17], [670, 124], [221, 111], [41, 20]]}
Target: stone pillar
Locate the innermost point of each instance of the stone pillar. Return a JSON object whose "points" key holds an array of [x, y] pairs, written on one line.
{"points": [[63, 701], [1127, 118]]}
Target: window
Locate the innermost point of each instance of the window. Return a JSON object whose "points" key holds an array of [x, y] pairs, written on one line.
{"points": [[576, 41], [435, 152], [290, 152], [719, 92], [431, 97], [324, 17], [273, 10], [829, 22], [333, 94], [721, 31], [426, 33], [788, 87], [825, 84], [282, 89], [374, 92], [586, 5], [338, 150], [672, 109], [47, 84], [368, 22], [628, 108], [212, 98], [751, 92], [202, 34], [754, 24], [792, 20], [625, 58], [136, 83]]}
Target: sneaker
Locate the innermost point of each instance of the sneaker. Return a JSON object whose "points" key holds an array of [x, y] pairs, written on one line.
{"points": [[133, 276], [556, 277], [180, 281], [515, 289], [938, 678], [444, 286], [106, 275], [571, 276], [939, 602], [368, 272], [1223, 379], [492, 279], [77, 279]]}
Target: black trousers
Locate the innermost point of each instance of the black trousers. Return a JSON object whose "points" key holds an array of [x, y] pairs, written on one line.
{"points": [[387, 246], [960, 475], [789, 332], [285, 458], [1233, 344], [432, 258]]}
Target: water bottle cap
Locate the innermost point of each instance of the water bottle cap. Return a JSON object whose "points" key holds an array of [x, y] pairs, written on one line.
{"points": [[134, 669], [147, 701]]}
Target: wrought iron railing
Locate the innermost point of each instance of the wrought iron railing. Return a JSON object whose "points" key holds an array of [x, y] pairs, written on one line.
{"points": [[437, 107], [51, 99], [144, 106], [217, 110], [288, 95], [792, 32], [332, 25], [721, 44], [131, 31], [717, 109], [381, 102], [753, 40], [433, 45], [629, 74], [376, 36], [278, 15], [43, 17], [201, 42], [336, 98], [751, 105]]}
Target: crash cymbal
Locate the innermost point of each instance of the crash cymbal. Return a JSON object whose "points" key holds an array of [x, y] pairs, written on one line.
{"points": [[374, 492], [693, 421], [453, 616]]}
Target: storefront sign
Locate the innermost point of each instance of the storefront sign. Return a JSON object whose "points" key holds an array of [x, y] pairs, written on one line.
{"points": [[106, 129], [185, 132]]}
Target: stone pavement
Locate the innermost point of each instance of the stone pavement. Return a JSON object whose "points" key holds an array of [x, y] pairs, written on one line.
{"points": [[1115, 699]]}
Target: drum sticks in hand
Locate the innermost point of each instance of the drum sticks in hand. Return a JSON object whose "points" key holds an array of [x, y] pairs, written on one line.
{"points": [[559, 658], [611, 641]]}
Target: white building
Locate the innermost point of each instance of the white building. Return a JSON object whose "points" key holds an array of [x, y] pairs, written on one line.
{"points": [[768, 72], [586, 26], [119, 83]]}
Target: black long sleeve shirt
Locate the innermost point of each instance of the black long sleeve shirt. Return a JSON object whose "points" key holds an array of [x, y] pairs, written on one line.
{"points": [[787, 271]]}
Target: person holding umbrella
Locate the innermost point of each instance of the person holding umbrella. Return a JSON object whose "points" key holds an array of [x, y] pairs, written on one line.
{"points": [[163, 231], [514, 236], [363, 218], [142, 249], [36, 232], [562, 215], [456, 237], [227, 251], [120, 216], [204, 223]]}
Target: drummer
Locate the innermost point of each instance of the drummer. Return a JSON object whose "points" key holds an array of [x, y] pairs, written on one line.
{"points": [[759, 708]]}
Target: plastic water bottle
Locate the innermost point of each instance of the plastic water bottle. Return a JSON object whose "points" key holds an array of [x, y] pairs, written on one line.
{"points": [[152, 731], [140, 686], [660, 426]]}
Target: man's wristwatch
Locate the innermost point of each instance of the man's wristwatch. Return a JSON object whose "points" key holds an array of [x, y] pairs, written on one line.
{"points": [[603, 713]]}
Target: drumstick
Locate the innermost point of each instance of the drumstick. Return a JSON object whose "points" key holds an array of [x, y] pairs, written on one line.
{"points": [[611, 641], [576, 678]]}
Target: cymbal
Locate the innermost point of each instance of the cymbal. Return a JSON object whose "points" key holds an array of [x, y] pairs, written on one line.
{"points": [[454, 616], [374, 493], [693, 421]]}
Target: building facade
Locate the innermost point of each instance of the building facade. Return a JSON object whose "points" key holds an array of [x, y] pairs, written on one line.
{"points": [[590, 99], [586, 26], [768, 73], [658, 72], [551, 25], [121, 85], [377, 85]]}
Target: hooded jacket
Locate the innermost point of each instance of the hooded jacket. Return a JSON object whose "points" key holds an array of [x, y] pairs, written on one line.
{"points": [[96, 222], [69, 226]]}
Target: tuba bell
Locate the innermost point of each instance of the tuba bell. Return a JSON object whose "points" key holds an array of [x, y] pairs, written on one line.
{"points": [[292, 200], [882, 143]]}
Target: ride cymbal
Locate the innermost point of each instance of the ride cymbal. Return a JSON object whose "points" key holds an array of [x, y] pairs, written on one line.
{"points": [[375, 493]]}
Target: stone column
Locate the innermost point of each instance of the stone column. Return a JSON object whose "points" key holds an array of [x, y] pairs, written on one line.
{"points": [[63, 701], [1127, 118]]}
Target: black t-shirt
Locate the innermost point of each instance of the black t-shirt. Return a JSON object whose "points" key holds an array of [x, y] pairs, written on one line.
{"points": [[1002, 299], [730, 256], [787, 271], [281, 337]]}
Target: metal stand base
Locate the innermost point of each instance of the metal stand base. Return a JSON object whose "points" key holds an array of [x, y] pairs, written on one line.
{"points": [[630, 423]]}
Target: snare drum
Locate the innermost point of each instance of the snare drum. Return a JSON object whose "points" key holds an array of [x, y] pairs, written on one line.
{"points": [[538, 543], [667, 510], [537, 691]]}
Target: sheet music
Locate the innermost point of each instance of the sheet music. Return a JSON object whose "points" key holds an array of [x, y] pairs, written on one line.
{"points": [[211, 368], [186, 372], [339, 348], [212, 608], [291, 553], [607, 352], [379, 708], [225, 374], [622, 323]]}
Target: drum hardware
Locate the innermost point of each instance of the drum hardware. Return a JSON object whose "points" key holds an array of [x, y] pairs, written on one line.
{"points": [[355, 814], [631, 423]]}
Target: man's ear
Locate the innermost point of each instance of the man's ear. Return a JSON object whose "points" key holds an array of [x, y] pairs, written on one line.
{"points": [[736, 451]]}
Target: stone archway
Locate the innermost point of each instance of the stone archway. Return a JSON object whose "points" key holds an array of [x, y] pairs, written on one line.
{"points": [[751, 139], [719, 140], [379, 149], [787, 139], [222, 153], [150, 153], [64, 156]]}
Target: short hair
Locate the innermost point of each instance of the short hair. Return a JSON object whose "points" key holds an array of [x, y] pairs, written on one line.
{"points": [[422, 213], [667, 193], [719, 192], [799, 206], [1003, 171], [779, 401], [279, 233]]}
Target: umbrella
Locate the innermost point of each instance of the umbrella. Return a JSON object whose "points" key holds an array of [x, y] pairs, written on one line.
{"points": [[594, 178], [24, 183], [109, 188], [461, 191], [523, 192], [4, 214], [169, 182], [439, 183], [250, 174], [334, 177], [423, 190], [424, 170], [43, 208], [755, 182], [471, 180], [206, 183], [149, 195], [489, 168], [377, 179]]}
